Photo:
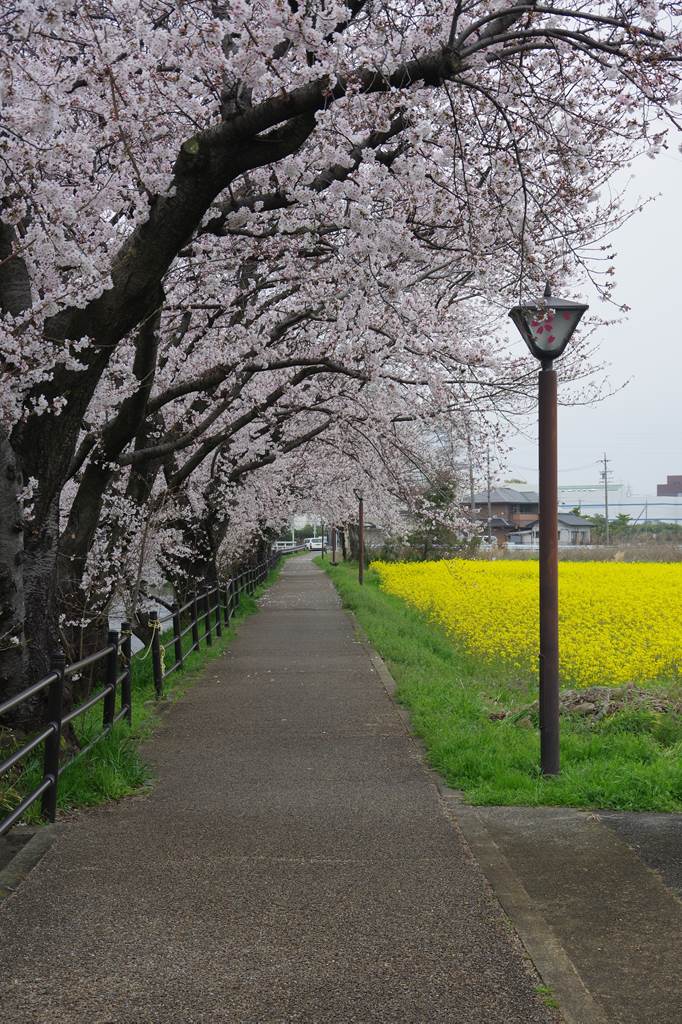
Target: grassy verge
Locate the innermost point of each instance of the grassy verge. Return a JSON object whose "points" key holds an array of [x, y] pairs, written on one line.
{"points": [[115, 768], [629, 761]]}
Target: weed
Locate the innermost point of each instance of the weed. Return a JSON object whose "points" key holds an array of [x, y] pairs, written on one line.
{"points": [[547, 996]]}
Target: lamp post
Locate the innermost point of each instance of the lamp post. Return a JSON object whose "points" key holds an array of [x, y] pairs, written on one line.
{"points": [[546, 327], [361, 537]]}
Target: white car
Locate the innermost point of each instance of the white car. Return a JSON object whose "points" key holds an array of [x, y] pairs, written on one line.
{"points": [[314, 543]]}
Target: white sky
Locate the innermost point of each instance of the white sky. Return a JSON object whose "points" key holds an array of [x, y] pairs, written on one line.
{"points": [[640, 427]]}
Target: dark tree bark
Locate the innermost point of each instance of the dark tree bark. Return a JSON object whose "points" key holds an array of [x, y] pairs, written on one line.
{"points": [[12, 609], [15, 296], [86, 509]]}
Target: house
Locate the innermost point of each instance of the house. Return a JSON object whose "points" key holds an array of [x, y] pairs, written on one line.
{"points": [[572, 530], [508, 507]]}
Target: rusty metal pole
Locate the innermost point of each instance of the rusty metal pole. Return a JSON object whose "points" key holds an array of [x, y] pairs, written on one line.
{"points": [[55, 702], [361, 540], [157, 666], [549, 570]]}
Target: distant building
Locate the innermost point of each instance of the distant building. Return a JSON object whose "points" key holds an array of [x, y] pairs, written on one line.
{"points": [[572, 530], [508, 507], [671, 489], [588, 499], [591, 495]]}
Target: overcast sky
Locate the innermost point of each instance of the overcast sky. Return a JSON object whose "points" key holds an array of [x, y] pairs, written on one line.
{"points": [[640, 427]]}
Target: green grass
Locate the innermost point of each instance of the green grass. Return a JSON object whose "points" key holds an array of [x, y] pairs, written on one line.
{"points": [[630, 761], [115, 768]]}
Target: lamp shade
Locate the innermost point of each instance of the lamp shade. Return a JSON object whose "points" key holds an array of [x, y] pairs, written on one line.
{"points": [[546, 326]]}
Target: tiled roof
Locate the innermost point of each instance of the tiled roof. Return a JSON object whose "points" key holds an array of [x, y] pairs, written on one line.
{"points": [[506, 496]]}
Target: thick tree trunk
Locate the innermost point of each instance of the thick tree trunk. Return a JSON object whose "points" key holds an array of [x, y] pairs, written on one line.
{"points": [[15, 296], [12, 642], [41, 540]]}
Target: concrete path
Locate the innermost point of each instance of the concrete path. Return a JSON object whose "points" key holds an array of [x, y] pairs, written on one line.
{"points": [[585, 882], [293, 864]]}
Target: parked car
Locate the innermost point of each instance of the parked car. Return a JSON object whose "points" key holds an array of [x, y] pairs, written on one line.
{"points": [[315, 543]]}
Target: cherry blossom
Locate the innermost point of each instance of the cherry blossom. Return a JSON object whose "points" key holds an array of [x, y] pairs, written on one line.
{"points": [[249, 252]]}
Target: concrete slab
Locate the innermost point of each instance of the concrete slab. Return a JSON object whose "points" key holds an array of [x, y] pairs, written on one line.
{"points": [[657, 840], [617, 921]]}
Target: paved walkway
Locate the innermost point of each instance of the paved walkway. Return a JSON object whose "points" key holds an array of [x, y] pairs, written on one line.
{"points": [[293, 864]]}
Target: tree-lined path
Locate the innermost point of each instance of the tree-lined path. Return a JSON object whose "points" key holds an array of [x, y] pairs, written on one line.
{"points": [[292, 863]]}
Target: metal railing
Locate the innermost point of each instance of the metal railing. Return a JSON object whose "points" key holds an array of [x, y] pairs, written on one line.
{"points": [[218, 603]]}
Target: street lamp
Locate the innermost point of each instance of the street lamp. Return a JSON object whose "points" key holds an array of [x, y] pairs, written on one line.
{"points": [[546, 327], [361, 536]]}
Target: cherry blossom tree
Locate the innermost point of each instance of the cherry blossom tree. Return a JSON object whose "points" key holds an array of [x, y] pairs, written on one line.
{"points": [[202, 201]]}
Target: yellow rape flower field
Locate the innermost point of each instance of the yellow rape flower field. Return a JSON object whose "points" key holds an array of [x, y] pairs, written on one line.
{"points": [[619, 622]]}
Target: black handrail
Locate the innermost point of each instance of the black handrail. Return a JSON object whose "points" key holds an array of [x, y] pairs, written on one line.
{"points": [[31, 691], [219, 601]]}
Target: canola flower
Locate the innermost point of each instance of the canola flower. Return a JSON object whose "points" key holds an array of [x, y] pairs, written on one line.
{"points": [[619, 622]]}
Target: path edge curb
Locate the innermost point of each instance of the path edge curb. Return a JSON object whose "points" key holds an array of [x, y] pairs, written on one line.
{"points": [[25, 859], [553, 964]]}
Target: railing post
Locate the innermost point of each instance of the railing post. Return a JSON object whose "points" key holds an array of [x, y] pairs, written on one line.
{"points": [[218, 613], [127, 681], [195, 622], [177, 639], [228, 599], [109, 702], [207, 618], [155, 626], [55, 702]]}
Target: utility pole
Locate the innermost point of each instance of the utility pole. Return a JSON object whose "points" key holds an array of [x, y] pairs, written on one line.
{"points": [[471, 476], [490, 507], [361, 537], [605, 473]]}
